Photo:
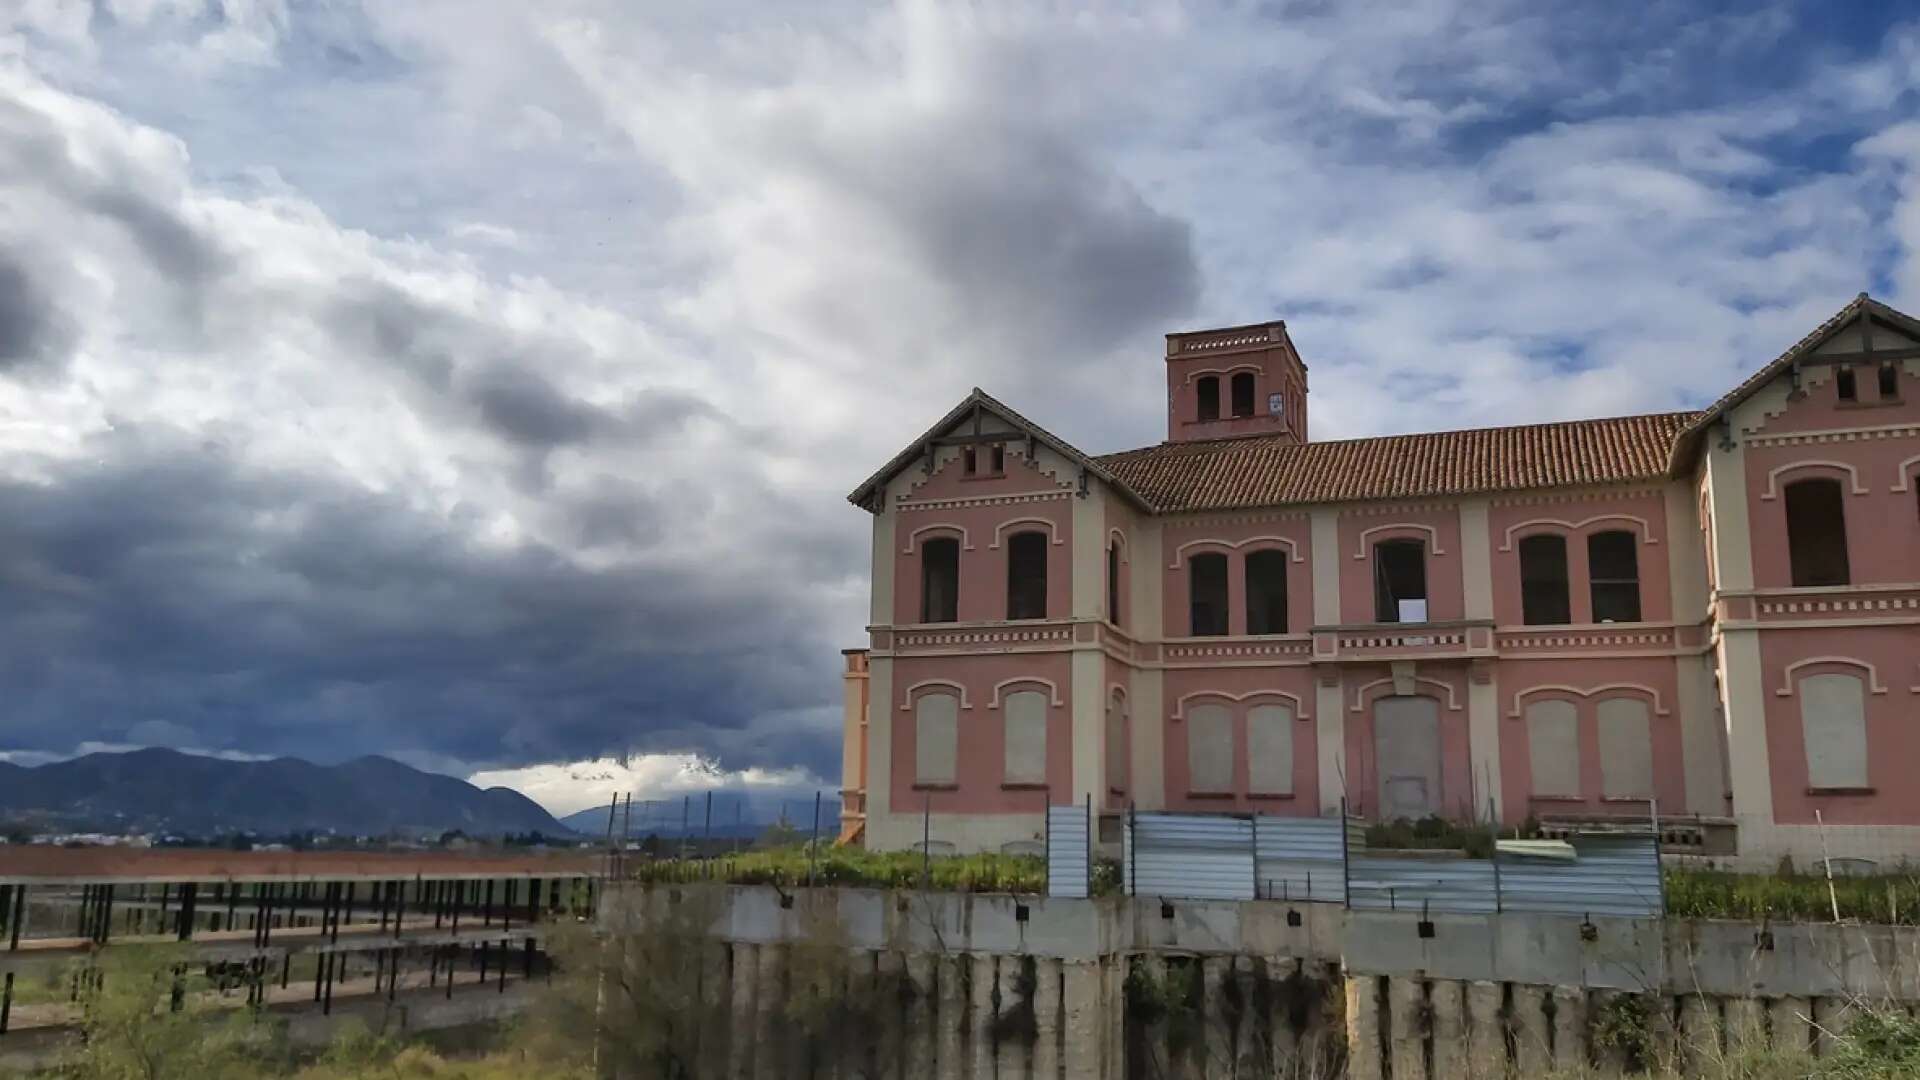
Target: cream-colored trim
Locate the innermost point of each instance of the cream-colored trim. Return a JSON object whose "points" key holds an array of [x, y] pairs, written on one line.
{"points": [[907, 506], [1476, 561], [1483, 742], [1330, 739], [1702, 752], [1360, 692], [879, 737], [1686, 565], [906, 700], [1732, 524], [1433, 536], [881, 581], [1053, 690], [1197, 372], [966, 541], [1088, 726], [1293, 549], [1900, 481], [1149, 740], [1326, 567], [1299, 707], [1087, 576], [1659, 708], [1000, 530], [1114, 532], [1745, 713], [1773, 475], [1646, 527], [1786, 676]]}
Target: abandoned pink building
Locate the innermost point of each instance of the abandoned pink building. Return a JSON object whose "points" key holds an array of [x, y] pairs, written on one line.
{"points": [[1715, 611]]}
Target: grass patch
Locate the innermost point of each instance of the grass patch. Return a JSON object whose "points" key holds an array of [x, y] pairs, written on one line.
{"points": [[1892, 899], [789, 867]]}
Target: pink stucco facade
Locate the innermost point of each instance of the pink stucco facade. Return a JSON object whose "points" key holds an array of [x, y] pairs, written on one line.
{"points": [[1700, 709]]}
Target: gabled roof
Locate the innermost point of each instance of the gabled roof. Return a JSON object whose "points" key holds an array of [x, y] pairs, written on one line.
{"points": [[863, 495], [1222, 474], [1862, 306]]}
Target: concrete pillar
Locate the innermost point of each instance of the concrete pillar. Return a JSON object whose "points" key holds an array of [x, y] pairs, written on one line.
{"points": [[1609, 1054], [980, 1017], [1081, 1030], [769, 1027], [1216, 1022], [1011, 1054], [1364, 1048], [950, 1022], [715, 998], [1153, 968], [1247, 1040], [1486, 1031], [1699, 1035], [1830, 1016], [1789, 1031], [857, 1051], [889, 980], [739, 1043], [1570, 1052], [921, 995], [1746, 1024], [1406, 1008], [1046, 1019], [1532, 1041], [1282, 1043], [1446, 1000]]}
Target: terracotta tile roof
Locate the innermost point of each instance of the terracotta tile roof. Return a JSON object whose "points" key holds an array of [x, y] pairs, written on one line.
{"points": [[1271, 471]]}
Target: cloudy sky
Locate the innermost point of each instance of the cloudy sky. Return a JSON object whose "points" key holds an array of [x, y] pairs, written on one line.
{"points": [[479, 382]]}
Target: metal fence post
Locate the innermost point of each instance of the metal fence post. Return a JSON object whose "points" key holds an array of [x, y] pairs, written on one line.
{"points": [[926, 846], [1046, 834], [1659, 874], [1132, 856], [1493, 824], [1346, 882], [1089, 852]]}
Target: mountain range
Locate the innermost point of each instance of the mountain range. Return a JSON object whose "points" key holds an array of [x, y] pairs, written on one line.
{"points": [[165, 791]]}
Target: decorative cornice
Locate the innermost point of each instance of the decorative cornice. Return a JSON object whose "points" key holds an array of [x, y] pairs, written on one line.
{"points": [[905, 503], [1836, 435]]}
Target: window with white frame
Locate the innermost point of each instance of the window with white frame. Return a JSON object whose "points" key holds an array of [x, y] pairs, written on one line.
{"points": [[936, 737]]}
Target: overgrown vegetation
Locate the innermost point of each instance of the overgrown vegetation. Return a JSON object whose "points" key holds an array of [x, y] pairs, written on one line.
{"points": [[790, 867], [1432, 833], [1789, 896]]}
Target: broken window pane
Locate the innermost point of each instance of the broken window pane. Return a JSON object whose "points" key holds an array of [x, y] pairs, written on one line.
{"points": [[1027, 576], [1817, 532], [1543, 581], [1243, 394], [1613, 567], [1399, 576], [1267, 592], [1209, 390], [939, 579], [1207, 592]]}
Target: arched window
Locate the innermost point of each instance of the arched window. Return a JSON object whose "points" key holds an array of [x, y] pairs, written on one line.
{"points": [[1543, 581], [1208, 389], [1113, 582], [1270, 750], [1553, 747], [1613, 570], [1626, 749], [1243, 393], [1833, 721], [1209, 749], [1817, 532], [939, 579], [1027, 576], [1025, 715], [1400, 581], [1267, 592], [936, 735], [1207, 593]]}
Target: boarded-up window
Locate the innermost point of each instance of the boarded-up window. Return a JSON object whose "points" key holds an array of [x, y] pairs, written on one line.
{"points": [[1553, 747], [1117, 767], [1267, 592], [1027, 576], [1270, 750], [1543, 581], [1210, 748], [939, 579], [1833, 719], [1613, 565], [1626, 749], [1026, 720], [936, 735], [1207, 593], [1406, 754], [1817, 533]]}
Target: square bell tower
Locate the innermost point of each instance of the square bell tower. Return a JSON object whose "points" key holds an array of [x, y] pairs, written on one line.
{"points": [[1235, 381]]}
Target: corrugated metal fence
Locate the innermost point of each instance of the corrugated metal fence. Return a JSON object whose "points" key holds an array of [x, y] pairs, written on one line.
{"points": [[1069, 855], [1242, 857]]}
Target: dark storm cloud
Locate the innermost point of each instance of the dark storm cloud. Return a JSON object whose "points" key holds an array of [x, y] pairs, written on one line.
{"points": [[32, 329], [527, 409], [166, 588]]}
